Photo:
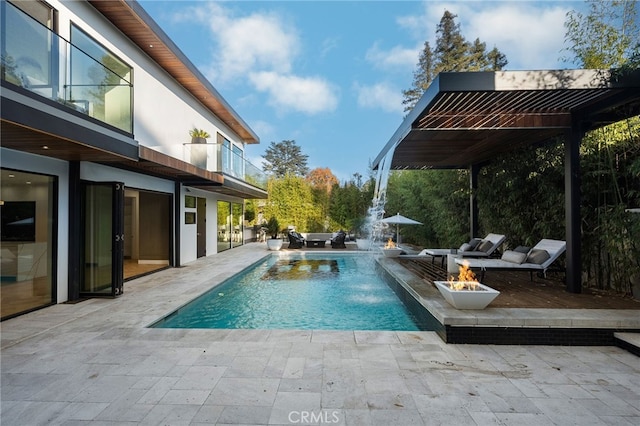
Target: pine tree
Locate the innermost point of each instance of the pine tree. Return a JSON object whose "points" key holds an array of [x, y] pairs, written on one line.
{"points": [[284, 158], [452, 50], [452, 53], [422, 78]]}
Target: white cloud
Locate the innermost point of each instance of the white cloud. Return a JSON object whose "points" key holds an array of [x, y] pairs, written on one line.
{"points": [[260, 49], [309, 95], [530, 34], [259, 40], [328, 45], [380, 96], [397, 57], [528, 43]]}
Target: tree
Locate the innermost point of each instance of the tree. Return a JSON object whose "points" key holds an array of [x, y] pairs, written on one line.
{"points": [[291, 202], [452, 53], [321, 181], [282, 158], [348, 203], [606, 37], [322, 178], [422, 78]]}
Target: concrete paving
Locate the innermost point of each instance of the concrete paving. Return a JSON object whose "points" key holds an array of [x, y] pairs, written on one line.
{"points": [[96, 362]]}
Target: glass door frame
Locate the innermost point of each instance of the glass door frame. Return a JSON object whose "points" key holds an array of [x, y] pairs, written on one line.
{"points": [[117, 237]]}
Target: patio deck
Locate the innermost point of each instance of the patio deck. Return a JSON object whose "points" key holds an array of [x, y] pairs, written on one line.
{"points": [[518, 291]]}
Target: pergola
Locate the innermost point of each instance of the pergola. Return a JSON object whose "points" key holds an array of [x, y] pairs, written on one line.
{"points": [[464, 120]]}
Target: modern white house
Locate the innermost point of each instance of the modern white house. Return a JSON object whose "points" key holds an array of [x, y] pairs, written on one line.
{"points": [[101, 180]]}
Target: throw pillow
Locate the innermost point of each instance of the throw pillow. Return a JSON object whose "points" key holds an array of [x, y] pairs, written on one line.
{"points": [[522, 249], [538, 256], [484, 246], [465, 247], [513, 256], [474, 243]]}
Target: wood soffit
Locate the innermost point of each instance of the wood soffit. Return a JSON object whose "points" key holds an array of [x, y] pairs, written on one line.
{"points": [[122, 14]]}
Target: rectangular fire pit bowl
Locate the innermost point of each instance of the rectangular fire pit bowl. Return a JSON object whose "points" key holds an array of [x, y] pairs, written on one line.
{"points": [[392, 252], [469, 295]]}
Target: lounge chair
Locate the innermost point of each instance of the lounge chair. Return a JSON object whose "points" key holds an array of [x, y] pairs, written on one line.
{"points": [[475, 248], [296, 240], [538, 259], [338, 240]]}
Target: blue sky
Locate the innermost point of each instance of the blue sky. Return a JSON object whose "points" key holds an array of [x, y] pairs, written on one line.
{"points": [[330, 74]]}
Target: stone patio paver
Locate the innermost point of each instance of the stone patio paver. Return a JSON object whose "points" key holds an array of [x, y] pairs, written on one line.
{"points": [[97, 363]]}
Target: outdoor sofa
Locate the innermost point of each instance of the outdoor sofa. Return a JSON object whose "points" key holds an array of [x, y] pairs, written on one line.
{"points": [[537, 259]]}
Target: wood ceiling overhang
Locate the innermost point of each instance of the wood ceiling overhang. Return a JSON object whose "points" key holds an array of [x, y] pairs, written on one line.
{"points": [[134, 22], [469, 118]]}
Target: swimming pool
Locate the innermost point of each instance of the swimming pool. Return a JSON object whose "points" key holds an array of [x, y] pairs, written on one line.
{"points": [[319, 291]]}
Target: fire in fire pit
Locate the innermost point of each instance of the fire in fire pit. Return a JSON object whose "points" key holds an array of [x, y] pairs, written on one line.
{"points": [[466, 279], [390, 244]]}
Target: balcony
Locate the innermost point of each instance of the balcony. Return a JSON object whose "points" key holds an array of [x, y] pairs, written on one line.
{"points": [[37, 59], [220, 158]]}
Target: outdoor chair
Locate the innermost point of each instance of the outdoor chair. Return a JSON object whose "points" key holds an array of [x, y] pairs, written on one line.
{"points": [[538, 259], [296, 240], [338, 240], [476, 247]]}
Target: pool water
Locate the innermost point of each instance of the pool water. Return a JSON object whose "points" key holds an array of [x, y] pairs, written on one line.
{"points": [[299, 291]]}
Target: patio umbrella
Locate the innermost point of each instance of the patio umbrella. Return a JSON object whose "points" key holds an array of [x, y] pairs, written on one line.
{"points": [[399, 220]]}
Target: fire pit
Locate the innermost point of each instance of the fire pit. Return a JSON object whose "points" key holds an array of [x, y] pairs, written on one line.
{"points": [[391, 249], [466, 292]]}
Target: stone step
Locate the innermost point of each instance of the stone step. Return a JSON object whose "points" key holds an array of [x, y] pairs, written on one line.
{"points": [[628, 341]]}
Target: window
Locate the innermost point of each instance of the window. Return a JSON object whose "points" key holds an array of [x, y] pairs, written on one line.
{"points": [[190, 201]]}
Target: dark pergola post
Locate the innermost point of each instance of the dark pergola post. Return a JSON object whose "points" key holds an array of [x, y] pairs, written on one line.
{"points": [[572, 206], [474, 170], [177, 223]]}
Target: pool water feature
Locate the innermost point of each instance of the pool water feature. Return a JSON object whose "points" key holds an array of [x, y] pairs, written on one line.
{"points": [[319, 291]]}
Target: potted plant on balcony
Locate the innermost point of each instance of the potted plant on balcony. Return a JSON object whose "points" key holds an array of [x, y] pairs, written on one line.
{"points": [[199, 147], [273, 227], [198, 135]]}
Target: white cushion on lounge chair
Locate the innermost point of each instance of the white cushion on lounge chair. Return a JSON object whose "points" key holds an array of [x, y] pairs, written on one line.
{"points": [[554, 247]]}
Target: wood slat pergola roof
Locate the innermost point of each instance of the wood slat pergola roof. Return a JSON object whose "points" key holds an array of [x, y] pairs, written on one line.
{"points": [[469, 118]]}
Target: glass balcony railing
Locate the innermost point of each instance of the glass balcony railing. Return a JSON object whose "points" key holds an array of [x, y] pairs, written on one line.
{"points": [[219, 158], [36, 58]]}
